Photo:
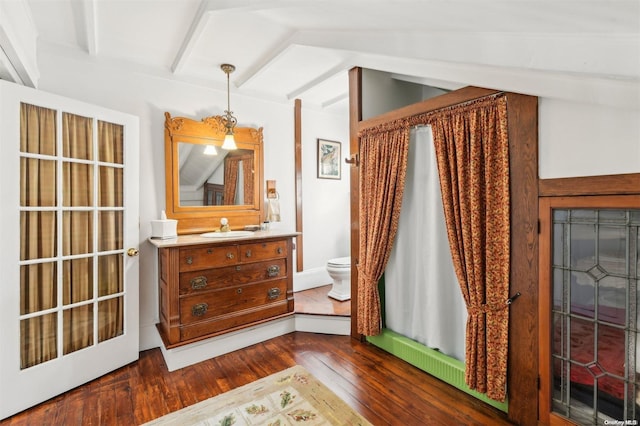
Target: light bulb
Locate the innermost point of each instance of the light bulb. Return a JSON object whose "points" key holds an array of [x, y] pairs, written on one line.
{"points": [[229, 142]]}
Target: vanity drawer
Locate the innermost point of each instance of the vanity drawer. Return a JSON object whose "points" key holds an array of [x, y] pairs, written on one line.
{"points": [[193, 259], [213, 279], [220, 325], [262, 251], [216, 287], [201, 307]]}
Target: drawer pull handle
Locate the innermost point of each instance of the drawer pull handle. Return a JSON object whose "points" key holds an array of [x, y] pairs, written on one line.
{"points": [[248, 253], [273, 293], [189, 260], [230, 256], [209, 251], [239, 291], [273, 271], [198, 283], [199, 310], [238, 268], [279, 250]]}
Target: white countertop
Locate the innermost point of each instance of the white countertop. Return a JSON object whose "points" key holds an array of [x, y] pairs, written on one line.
{"points": [[193, 239]]}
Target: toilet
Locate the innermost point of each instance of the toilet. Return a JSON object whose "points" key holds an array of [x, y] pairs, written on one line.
{"points": [[339, 270]]}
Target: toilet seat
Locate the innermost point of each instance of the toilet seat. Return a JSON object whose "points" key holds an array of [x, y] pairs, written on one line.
{"points": [[340, 262]]}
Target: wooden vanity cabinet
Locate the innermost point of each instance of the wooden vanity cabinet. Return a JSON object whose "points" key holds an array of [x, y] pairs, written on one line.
{"points": [[214, 288]]}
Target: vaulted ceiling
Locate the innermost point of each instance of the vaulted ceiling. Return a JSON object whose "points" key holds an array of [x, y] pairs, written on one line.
{"points": [[287, 49]]}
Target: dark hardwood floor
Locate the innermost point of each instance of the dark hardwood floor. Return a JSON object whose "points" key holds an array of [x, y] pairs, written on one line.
{"points": [[381, 387]]}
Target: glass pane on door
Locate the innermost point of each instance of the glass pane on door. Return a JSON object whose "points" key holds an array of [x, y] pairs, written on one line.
{"points": [[40, 340], [595, 319], [38, 235], [111, 229], [72, 238]]}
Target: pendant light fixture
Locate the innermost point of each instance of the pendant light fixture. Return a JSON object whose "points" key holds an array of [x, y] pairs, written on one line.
{"points": [[228, 118]]}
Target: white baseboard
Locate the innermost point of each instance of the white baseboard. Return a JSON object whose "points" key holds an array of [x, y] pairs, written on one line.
{"points": [[184, 356], [311, 278], [323, 324], [149, 337]]}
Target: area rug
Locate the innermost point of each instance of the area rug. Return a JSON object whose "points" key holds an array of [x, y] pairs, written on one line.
{"points": [[290, 397]]}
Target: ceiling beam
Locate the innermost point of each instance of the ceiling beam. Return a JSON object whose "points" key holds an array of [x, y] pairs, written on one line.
{"points": [[261, 65], [341, 97], [18, 44], [86, 23], [196, 29], [342, 67], [201, 18], [226, 5], [440, 84]]}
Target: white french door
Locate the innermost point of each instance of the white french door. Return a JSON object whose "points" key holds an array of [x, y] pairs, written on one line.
{"points": [[69, 232]]}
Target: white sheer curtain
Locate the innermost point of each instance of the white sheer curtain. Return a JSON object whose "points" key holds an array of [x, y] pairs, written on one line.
{"points": [[422, 295]]}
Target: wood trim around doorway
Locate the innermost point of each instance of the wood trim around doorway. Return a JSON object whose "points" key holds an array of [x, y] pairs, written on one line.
{"points": [[591, 185], [297, 136], [546, 205]]}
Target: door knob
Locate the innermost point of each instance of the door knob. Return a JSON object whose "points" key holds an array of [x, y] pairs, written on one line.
{"points": [[132, 252]]}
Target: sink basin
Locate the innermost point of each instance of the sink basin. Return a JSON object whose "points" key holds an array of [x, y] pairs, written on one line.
{"points": [[229, 234]]}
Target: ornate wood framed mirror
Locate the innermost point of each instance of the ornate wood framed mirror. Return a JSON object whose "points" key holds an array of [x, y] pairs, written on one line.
{"points": [[205, 182]]}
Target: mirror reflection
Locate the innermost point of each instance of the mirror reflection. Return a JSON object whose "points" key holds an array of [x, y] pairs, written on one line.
{"points": [[201, 189], [211, 176]]}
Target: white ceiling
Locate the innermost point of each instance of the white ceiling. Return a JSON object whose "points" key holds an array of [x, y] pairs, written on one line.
{"points": [[287, 49]]}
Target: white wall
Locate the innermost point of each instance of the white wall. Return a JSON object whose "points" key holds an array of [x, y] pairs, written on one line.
{"points": [[326, 202], [381, 93], [126, 88], [578, 139]]}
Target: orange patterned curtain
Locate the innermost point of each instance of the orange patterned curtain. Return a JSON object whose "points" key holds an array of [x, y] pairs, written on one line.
{"points": [[231, 173], [247, 170], [230, 180], [383, 166], [472, 150]]}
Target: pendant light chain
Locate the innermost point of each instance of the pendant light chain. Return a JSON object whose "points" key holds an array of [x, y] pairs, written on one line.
{"points": [[229, 120]]}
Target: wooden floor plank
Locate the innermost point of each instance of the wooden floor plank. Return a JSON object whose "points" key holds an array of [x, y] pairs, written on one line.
{"points": [[124, 404], [316, 301], [381, 387]]}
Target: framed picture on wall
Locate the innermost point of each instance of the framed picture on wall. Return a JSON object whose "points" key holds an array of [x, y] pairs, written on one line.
{"points": [[329, 159]]}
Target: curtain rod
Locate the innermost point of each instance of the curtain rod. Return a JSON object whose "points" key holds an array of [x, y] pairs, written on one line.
{"points": [[457, 98], [423, 117]]}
